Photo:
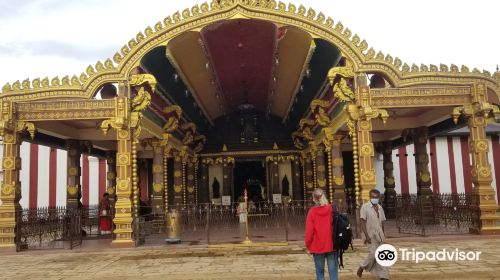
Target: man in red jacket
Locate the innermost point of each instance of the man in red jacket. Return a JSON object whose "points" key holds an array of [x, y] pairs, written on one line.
{"points": [[318, 237]]}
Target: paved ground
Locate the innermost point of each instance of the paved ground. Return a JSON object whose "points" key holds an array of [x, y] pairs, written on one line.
{"points": [[277, 262]]}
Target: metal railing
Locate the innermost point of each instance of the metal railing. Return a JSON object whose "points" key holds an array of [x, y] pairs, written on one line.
{"points": [[212, 224], [55, 227], [436, 214]]}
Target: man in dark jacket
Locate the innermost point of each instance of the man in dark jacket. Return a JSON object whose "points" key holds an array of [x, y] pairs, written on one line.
{"points": [[318, 236]]}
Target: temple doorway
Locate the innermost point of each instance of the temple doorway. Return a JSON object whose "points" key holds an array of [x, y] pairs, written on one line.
{"points": [[250, 175]]}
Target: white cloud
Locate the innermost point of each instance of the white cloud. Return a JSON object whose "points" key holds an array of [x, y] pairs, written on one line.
{"points": [[49, 37]]}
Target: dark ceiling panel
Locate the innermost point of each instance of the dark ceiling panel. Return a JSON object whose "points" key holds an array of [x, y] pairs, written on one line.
{"points": [[325, 57], [242, 54], [156, 63]]}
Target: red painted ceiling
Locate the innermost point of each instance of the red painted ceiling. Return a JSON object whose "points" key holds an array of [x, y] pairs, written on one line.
{"points": [[241, 53]]}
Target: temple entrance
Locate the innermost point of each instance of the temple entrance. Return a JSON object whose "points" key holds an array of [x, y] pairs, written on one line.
{"points": [[250, 175]]}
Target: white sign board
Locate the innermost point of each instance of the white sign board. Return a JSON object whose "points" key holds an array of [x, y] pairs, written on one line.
{"points": [[226, 200], [216, 201], [276, 197]]}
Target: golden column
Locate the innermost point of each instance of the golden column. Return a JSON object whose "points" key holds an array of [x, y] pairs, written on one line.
{"points": [[158, 196], [389, 182], [190, 180], [10, 192], [123, 206], [127, 124], [336, 170], [74, 189], [166, 153], [111, 176], [360, 114], [307, 166], [178, 184], [320, 163], [478, 114]]}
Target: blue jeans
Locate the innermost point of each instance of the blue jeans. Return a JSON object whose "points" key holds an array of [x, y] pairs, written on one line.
{"points": [[333, 265]]}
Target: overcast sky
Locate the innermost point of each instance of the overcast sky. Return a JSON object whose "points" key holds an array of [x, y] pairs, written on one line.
{"points": [[54, 37]]}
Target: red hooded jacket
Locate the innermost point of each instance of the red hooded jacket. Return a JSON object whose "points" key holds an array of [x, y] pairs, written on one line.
{"points": [[318, 237]]}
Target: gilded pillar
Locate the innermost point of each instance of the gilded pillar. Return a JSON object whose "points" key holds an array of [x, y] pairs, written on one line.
{"points": [[74, 189], [482, 176], [389, 182], [166, 188], [321, 168], [111, 176], [308, 175], [478, 113], [360, 114], [420, 138], [123, 207], [127, 124], [297, 189], [158, 196], [190, 181], [178, 179], [336, 169], [10, 192]]}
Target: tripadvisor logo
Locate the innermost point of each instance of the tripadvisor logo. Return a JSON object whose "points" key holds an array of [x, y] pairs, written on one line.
{"points": [[387, 255]]}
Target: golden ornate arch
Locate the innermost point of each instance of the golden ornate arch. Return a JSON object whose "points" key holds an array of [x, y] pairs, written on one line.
{"points": [[362, 58]]}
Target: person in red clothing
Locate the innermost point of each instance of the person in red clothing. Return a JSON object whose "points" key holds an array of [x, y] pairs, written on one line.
{"points": [[318, 236]]}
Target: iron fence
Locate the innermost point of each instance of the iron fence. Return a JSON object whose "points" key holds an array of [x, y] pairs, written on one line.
{"points": [[436, 214], [55, 227], [212, 224]]}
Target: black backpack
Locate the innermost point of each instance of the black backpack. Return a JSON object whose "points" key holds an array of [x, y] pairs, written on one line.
{"points": [[342, 235]]}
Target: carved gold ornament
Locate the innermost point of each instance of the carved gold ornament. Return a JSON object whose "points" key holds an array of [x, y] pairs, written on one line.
{"points": [[338, 162], [321, 183], [123, 134], [123, 159], [190, 177], [425, 177], [177, 188], [158, 187], [364, 125], [341, 89], [72, 189], [309, 185], [73, 171], [321, 168], [309, 173], [7, 189], [338, 180], [110, 190], [111, 175], [367, 150], [8, 163], [389, 180], [481, 145], [157, 168], [484, 172], [368, 175], [190, 189], [123, 184]]}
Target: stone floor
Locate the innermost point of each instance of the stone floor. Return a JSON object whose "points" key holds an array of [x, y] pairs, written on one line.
{"points": [[232, 262]]}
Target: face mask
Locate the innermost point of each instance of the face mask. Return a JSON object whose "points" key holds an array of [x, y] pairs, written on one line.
{"points": [[374, 200]]}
